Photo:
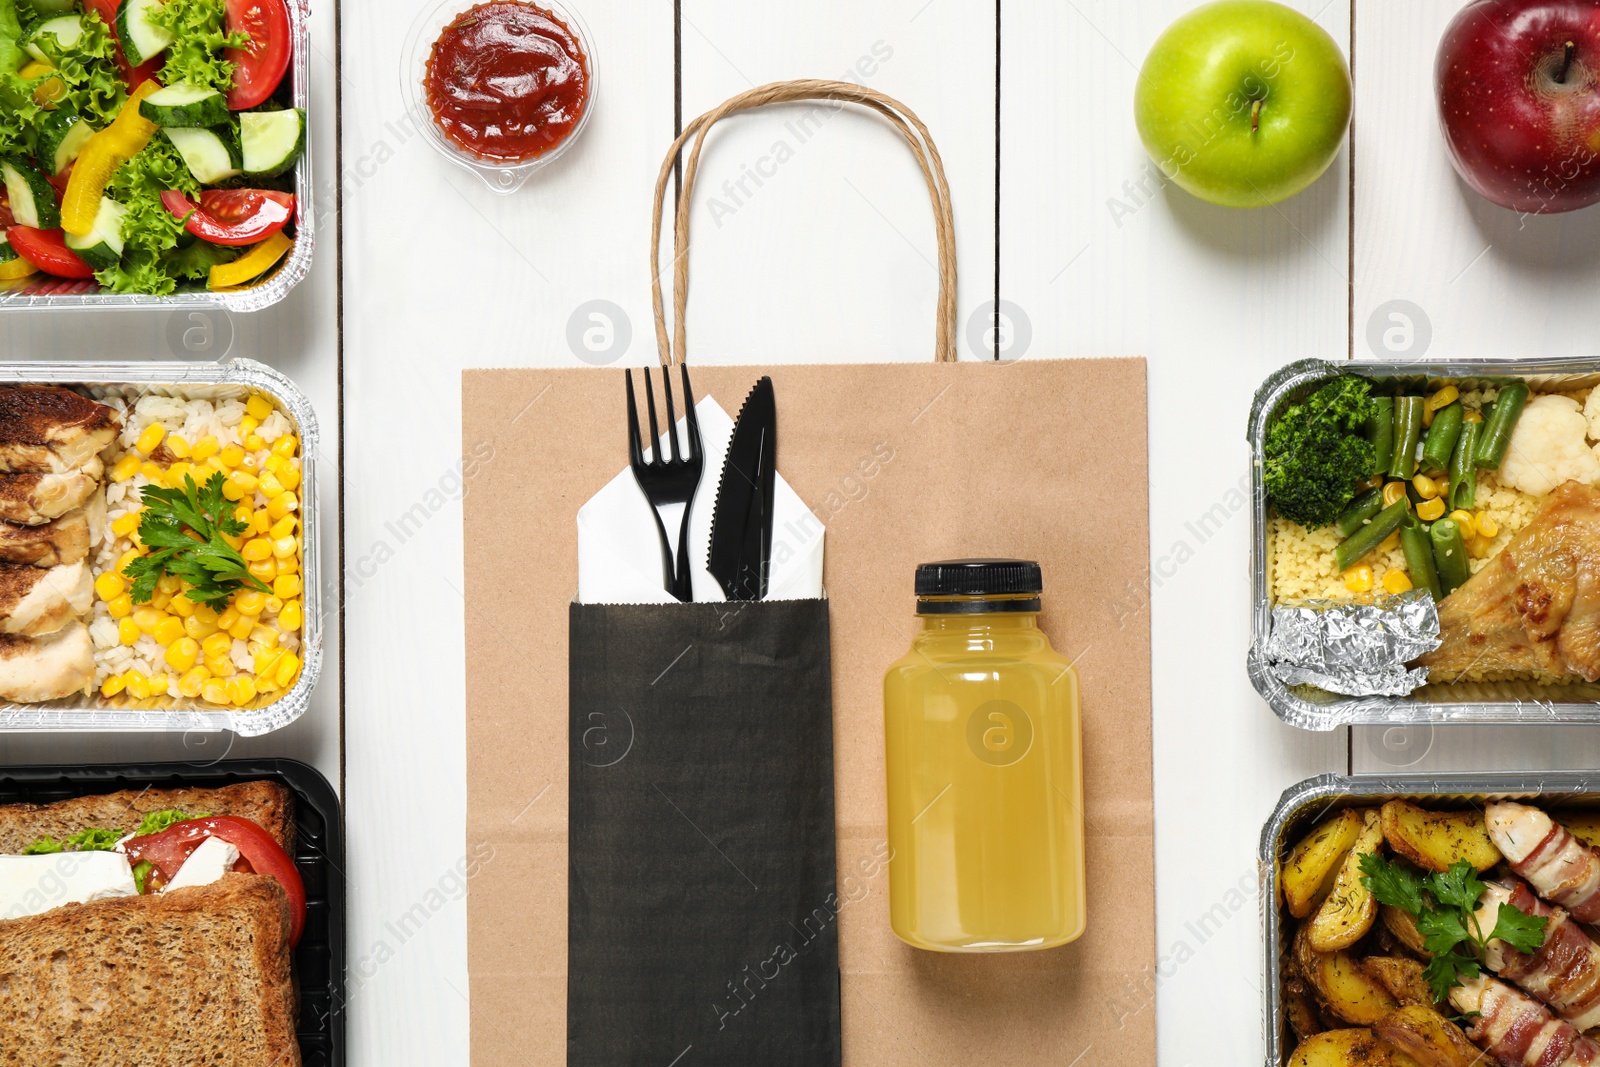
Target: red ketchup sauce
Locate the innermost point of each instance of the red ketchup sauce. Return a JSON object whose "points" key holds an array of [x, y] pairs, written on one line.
{"points": [[507, 81]]}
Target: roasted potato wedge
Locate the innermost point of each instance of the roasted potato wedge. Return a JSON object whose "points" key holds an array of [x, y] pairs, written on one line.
{"points": [[1341, 985], [1313, 862], [1402, 977], [1349, 910], [1434, 840], [1585, 826], [1429, 1038], [1348, 1048], [1403, 925], [1302, 1013]]}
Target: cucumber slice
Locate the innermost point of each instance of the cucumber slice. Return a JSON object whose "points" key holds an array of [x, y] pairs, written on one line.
{"points": [[271, 141], [212, 155], [101, 247], [46, 8], [33, 201], [61, 138], [185, 105], [142, 40], [7, 253], [66, 29]]}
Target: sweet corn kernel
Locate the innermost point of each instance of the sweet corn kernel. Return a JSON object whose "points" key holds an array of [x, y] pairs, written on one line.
{"points": [[182, 654], [204, 449], [254, 443], [158, 685], [1396, 581], [248, 425], [287, 586], [291, 617], [216, 646], [220, 666], [113, 685], [1393, 493], [147, 617], [1486, 525], [287, 668], [264, 635], [1426, 487], [1358, 579], [230, 456], [279, 506], [285, 446], [266, 661], [269, 485], [170, 584], [150, 439], [214, 691], [198, 628], [284, 547], [1390, 543], [1472, 416], [274, 463], [250, 464], [120, 607], [1427, 417], [110, 585], [125, 468], [263, 570], [138, 685], [1442, 399], [257, 548], [227, 617], [124, 525], [289, 564], [231, 490], [250, 602], [168, 630], [181, 606], [177, 446], [267, 685], [258, 407], [1464, 520], [274, 604], [1429, 510], [161, 601], [153, 472], [128, 631], [241, 690], [177, 473], [193, 681], [284, 527], [127, 558], [1479, 547], [260, 522], [241, 629], [235, 541], [289, 478]]}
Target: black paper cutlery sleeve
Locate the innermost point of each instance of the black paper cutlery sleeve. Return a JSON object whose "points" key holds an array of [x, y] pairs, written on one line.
{"points": [[703, 915]]}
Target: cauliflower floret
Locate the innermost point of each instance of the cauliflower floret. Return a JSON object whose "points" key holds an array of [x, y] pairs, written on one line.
{"points": [[1548, 448], [1591, 412]]}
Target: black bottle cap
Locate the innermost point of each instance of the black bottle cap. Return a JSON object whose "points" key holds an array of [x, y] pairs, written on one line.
{"points": [[998, 585]]}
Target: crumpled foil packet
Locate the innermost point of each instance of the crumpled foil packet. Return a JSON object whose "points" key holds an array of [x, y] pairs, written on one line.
{"points": [[1354, 649]]}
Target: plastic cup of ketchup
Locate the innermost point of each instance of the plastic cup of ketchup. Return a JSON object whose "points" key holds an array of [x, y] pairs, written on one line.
{"points": [[500, 87]]}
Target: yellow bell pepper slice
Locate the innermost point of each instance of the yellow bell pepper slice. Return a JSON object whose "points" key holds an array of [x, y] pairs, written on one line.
{"points": [[252, 264], [13, 269], [102, 154], [46, 94]]}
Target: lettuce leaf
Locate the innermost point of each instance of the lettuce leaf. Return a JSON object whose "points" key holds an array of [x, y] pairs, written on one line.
{"points": [[195, 261], [11, 53], [148, 230], [196, 54], [18, 115], [95, 89]]}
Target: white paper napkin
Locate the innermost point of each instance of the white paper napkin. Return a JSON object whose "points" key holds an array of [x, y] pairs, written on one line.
{"points": [[619, 554]]}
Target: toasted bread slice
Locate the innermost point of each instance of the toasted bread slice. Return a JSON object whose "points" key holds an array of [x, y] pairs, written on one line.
{"points": [[266, 803], [196, 976]]}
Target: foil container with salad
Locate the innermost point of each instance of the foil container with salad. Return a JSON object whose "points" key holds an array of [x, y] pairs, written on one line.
{"points": [[1474, 485], [1433, 921], [153, 152]]}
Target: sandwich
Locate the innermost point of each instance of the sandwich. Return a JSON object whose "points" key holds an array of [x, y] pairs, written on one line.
{"points": [[149, 928]]}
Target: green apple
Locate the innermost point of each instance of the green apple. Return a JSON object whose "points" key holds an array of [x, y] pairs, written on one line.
{"points": [[1243, 103]]}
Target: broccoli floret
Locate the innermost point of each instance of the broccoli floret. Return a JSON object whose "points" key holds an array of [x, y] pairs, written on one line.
{"points": [[1317, 451]]}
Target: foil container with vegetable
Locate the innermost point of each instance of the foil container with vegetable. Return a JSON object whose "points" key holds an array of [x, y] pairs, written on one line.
{"points": [[1474, 485]]}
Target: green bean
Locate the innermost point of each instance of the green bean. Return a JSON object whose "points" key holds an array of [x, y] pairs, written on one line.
{"points": [[1407, 432], [1497, 428], [1449, 555], [1415, 544], [1370, 536], [1442, 437], [1380, 431], [1464, 470], [1361, 509]]}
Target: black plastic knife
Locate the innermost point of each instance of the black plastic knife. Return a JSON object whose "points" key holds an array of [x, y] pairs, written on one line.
{"points": [[741, 524]]}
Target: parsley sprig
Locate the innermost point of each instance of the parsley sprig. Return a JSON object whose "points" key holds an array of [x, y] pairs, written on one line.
{"points": [[1445, 906], [185, 530]]}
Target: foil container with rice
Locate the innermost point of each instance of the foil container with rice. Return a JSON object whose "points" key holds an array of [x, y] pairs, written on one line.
{"points": [[1502, 547]]}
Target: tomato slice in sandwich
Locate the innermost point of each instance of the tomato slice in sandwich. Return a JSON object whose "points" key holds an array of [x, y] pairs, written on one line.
{"points": [[259, 853]]}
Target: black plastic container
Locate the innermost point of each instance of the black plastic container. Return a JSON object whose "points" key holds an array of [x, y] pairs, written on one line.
{"points": [[319, 959]]}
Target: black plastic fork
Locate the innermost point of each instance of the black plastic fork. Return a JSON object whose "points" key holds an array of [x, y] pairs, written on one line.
{"points": [[665, 481]]}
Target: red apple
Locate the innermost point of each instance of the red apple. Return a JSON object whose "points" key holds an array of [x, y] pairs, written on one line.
{"points": [[1519, 98]]}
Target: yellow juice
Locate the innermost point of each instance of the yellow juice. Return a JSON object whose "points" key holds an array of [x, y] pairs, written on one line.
{"points": [[984, 760]]}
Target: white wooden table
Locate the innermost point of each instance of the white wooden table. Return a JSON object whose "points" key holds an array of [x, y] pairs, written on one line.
{"points": [[830, 258]]}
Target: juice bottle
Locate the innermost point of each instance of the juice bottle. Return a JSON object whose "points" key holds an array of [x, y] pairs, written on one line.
{"points": [[983, 749]]}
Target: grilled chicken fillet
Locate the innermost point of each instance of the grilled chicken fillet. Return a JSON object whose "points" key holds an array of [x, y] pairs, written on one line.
{"points": [[34, 499], [63, 540], [33, 669], [49, 430], [36, 601], [1535, 609]]}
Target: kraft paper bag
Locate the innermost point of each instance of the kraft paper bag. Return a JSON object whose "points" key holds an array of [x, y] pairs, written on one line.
{"points": [[1036, 459]]}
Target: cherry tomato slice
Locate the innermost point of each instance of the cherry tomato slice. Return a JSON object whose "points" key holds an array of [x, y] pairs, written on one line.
{"points": [[232, 216], [47, 250], [259, 852], [135, 76], [260, 65]]}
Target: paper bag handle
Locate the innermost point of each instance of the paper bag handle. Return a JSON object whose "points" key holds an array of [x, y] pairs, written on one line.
{"points": [[903, 119]]}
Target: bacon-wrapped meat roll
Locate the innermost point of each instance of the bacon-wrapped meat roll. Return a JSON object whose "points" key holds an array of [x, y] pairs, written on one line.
{"points": [[1517, 1030], [1564, 972], [1560, 868]]}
